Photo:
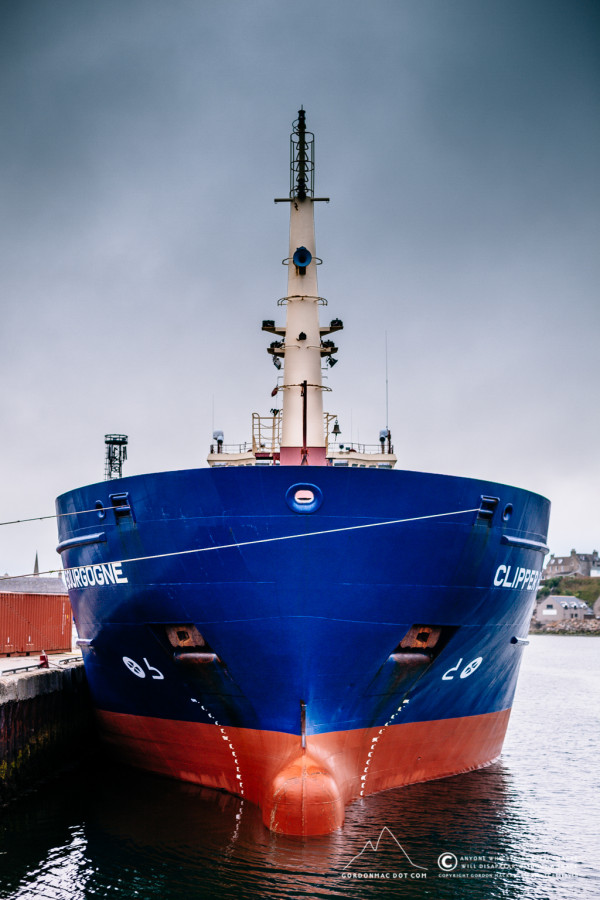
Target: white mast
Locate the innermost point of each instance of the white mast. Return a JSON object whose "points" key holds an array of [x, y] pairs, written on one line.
{"points": [[297, 434], [303, 439]]}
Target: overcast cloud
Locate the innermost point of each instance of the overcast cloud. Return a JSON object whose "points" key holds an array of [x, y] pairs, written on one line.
{"points": [[143, 144]]}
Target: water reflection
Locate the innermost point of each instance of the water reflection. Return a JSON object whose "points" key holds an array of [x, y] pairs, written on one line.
{"points": [[525, 825], [128, 834]]}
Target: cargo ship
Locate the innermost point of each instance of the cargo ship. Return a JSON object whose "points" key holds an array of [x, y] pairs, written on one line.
{"points": [[301, 623]]}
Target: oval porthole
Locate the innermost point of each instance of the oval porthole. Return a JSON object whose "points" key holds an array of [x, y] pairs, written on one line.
{"points": [[101, 510], [304, 498], [304, 495], [508, 511]]}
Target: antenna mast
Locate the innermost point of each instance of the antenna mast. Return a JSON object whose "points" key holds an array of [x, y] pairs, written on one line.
{"points": [[303, 438], [300, 353], [387, 416], [302, 159]]}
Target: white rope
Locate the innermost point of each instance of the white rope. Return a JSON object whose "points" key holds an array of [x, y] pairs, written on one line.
{"points": [[58, 515], [285, 537]]}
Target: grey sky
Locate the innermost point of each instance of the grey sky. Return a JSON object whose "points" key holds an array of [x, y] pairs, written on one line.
{"points": [[143, 143]]}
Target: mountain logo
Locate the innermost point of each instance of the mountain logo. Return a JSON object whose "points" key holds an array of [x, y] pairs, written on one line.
{"points": [[374, 848]]}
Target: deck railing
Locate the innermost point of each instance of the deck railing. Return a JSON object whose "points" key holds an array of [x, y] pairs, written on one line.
{"points": [[266, 440], [266, 433]]}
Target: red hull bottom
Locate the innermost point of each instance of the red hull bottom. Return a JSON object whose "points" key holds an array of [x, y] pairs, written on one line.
{"points": [[304, 791]]}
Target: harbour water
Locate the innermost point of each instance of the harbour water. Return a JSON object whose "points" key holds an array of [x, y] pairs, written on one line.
{"points": [[525, 827]]}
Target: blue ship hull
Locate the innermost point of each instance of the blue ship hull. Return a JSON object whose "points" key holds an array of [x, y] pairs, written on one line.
{"points": [[211, 600]]}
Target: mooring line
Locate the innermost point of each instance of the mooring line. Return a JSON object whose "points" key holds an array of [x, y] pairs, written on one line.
{"points": [[285, 537], [58, 515]]}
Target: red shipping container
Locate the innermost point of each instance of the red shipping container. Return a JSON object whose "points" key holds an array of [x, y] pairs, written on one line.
{"points": [[32, 622]]}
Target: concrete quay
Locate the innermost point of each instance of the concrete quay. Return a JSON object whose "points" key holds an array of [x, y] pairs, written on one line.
{"points": [[46, 719]]}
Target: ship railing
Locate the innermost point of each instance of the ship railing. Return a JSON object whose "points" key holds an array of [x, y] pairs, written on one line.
{"points": [[266, 441], [266, 433], [361, 448], [229, 448]]}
